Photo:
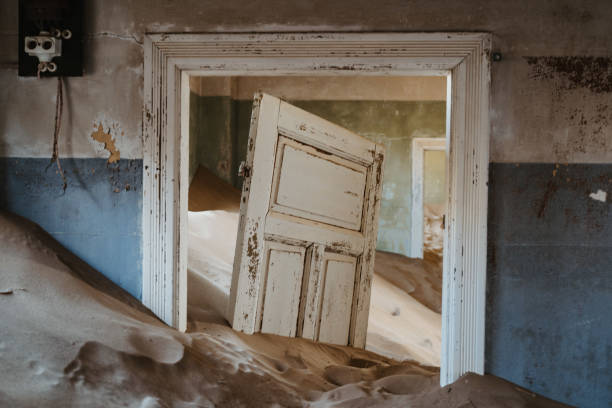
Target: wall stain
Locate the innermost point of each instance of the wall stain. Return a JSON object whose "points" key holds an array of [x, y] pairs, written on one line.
{"points": [[580, 89], [593, 73], [551, 189], [592, 127], [582, 186], [109, 143]]}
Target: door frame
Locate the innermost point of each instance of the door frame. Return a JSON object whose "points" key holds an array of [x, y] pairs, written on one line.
{"points": [[169, 60], [419, 145]]}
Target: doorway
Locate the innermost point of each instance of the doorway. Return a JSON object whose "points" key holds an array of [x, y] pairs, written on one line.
{"points": [[404, 312], [463, 58], [429, 187]]}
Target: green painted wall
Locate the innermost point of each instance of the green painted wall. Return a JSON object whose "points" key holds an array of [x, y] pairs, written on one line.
{"points": [[219, 128], [212, 135]]}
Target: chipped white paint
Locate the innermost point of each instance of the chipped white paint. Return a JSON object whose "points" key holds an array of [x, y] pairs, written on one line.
{"points": [[280, 294], [339, 281], [461, 56], [246, 281], [317, 175], [304, 197], [600, 195], [419, 145]]}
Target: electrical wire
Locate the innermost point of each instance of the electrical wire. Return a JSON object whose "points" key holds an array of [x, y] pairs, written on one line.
{"points": [[59, 105]]}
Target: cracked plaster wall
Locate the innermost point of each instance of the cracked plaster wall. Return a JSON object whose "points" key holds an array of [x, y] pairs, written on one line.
{"points": [[529, 113]]}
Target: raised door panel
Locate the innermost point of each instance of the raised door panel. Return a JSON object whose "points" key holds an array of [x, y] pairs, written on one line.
{"points": [[318, 186], [337, 301], [281, 289]]}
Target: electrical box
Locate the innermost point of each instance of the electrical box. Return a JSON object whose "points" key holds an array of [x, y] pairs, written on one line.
{"points": [[50, 38]]}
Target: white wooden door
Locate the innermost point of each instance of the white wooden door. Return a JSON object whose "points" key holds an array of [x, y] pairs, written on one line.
{"points": [[308, 223]]}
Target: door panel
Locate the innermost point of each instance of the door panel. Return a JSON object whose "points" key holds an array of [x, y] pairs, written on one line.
{"points": [[285, 266], [305, 248], [318, 132], [339, 277], [317, 186]]}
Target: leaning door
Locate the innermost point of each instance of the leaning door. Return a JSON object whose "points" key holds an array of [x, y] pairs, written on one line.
{"points": [[308, 222]]}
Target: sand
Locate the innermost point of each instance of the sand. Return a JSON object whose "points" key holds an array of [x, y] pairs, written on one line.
{"points": [[212, 226], [404, 321], [210, 254], [419, 278], [208, 192], [401, 325], [71, 338]]}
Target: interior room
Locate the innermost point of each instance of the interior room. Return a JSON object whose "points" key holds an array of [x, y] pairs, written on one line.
{"points": [[399, 112], [305, 204]]}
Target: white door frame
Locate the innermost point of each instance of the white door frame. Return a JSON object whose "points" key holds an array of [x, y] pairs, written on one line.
{"points": [[169, 59], [419, 145]]}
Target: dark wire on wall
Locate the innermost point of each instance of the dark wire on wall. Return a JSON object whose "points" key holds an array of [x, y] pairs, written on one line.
{"points": [[59, 105]]}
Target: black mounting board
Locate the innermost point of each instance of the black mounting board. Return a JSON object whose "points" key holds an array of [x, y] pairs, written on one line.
{"points": [[43, 15]]}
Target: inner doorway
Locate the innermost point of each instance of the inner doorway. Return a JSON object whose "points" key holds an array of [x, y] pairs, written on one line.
{"points": [[405, 310]]}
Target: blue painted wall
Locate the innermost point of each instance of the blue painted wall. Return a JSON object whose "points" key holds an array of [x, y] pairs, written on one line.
{"points": [[98, 217], [549, 291]]}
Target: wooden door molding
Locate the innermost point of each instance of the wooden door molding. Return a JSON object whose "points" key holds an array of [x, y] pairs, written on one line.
{"points": [[463, 57]]}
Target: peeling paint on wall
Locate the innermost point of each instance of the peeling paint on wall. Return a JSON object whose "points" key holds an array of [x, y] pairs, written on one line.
{"points": [[600, 195], [109, 143]]}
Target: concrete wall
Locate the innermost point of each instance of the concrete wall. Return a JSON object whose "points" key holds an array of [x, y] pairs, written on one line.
{"points": [[549, 279], [550, 103], [98, 216], [219, 128]]}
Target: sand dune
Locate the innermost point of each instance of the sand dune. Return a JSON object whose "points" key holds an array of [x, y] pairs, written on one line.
{"points": [[70, 338], [210, 253], [420, 278], [400, 327]]}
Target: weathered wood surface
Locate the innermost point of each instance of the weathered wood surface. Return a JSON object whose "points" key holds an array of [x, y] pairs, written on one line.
{"points": [[308, 214]]}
